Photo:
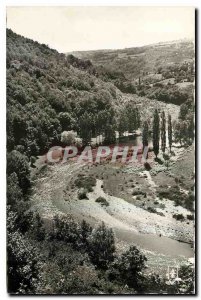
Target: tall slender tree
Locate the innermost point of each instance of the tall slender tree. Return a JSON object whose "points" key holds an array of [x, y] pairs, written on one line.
{"points": [[156, 133], [138, 118], [85, 125], [145, 135], [170, 131], [163, 132]]}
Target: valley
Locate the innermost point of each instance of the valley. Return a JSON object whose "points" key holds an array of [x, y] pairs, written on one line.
{"points": [[100, 221]]}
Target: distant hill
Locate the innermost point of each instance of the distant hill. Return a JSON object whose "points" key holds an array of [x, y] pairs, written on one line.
{"points": [[138, 61], [163, 71]]}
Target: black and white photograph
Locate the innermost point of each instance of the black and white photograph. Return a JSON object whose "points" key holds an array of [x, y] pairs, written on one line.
{"points": [[100, 150]]}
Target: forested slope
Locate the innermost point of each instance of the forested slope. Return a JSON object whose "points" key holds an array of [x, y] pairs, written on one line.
{"points": [[45, 95]]}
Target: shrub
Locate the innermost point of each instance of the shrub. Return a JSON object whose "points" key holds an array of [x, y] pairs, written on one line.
{"points": [[65, 229], [190, 217], [101, 246], [82, 194], [86, 182], [138, 192], [147, 166], [189, 201], [102, 201], [127, 268], [178, 217], [151, 209]]}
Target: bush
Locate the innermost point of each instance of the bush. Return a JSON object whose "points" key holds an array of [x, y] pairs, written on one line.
{"points": [[151, 209], [82, 194], [86, 182], [102, 201], [178, 217], [65, 229], [101, 246], [127, 268], [190, 217], [138, 192], [147, 166], [189, 201]]}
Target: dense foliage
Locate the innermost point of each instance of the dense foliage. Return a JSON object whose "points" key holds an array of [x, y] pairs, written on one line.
{"points": [[46, 95]]}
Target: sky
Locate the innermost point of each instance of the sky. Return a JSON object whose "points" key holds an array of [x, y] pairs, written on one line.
{"points": [[77, 28]]}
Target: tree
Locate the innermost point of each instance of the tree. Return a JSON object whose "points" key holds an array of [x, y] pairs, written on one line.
{"points": [[37, 228], [78, 142], [170, 131], [128, 268], [23, 260], [110, 135], [187, 275], [66, 120], [122, 123], [14, 192], [18, 163], [145, 135], [191, 128], [156, 133], [101, 246], [68, 137], [138, 118], [167, 159], [85, 127], [163, 132]]}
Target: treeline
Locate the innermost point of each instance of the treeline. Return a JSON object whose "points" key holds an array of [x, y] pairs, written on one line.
{"points": [[181, 131], [158, 129], [168, 94]]}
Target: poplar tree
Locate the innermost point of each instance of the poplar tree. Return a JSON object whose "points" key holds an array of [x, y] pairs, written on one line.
{"points": [[163, 132], [145, 134], [170, 131], [156, 133]]}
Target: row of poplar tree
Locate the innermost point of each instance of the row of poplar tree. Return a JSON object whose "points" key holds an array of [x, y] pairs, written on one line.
{"points": [[159, 132]]}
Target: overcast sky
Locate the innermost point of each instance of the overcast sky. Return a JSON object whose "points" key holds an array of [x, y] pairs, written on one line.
{"points": [[88, 28]]}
